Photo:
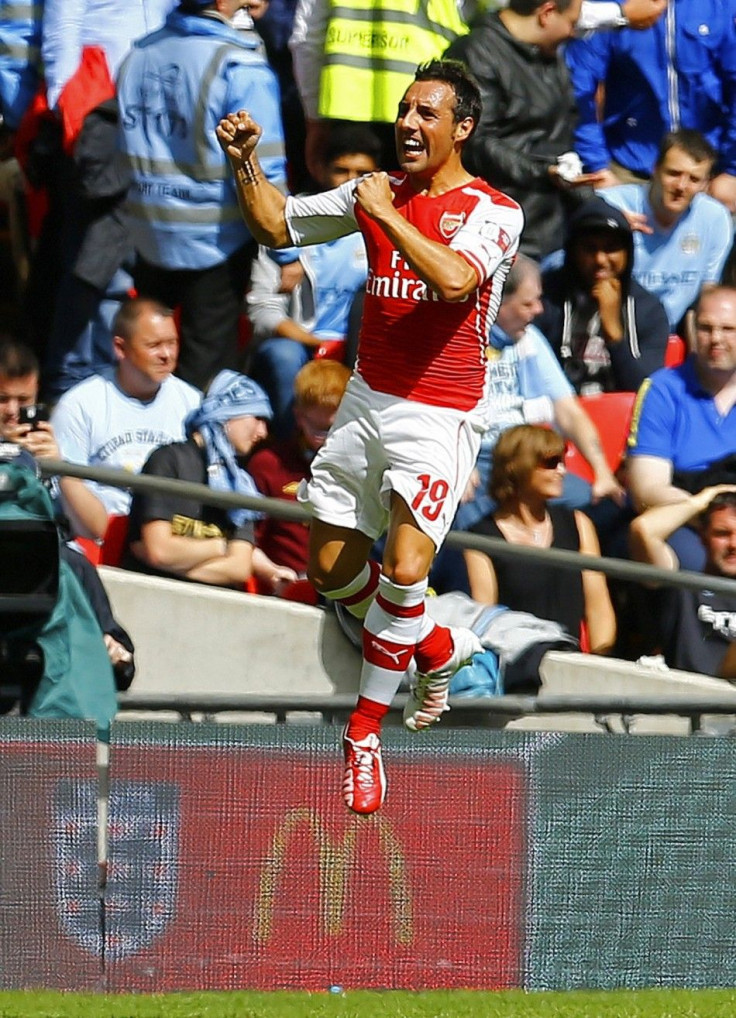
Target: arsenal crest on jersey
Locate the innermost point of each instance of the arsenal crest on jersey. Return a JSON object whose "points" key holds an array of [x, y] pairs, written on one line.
{"points": [[450, 223]]}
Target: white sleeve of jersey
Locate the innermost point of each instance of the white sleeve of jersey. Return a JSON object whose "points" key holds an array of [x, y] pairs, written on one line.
{"points": [[316, 218], [490, 235]]}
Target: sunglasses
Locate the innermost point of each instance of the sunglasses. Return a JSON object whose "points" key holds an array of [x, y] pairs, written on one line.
{"points": [[551, 462]]}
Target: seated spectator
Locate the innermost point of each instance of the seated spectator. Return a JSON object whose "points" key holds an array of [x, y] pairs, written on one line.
{"points": [[528, 470], [607, 331], [278, 467], [289, 327], [683, 431], [116, 418], [527, 386], [682, 236], [19, 386], [171, 535], [698, 627]]}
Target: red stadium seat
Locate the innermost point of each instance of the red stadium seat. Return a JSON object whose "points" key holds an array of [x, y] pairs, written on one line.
{"points": [[676, 351], [113, 543], [611, 414]]}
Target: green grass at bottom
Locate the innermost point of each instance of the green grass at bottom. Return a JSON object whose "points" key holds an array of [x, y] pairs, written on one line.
{"points": [[665, 1003]]}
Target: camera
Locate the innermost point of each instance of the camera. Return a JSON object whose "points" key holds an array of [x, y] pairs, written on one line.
{"points": [[33, 414]]}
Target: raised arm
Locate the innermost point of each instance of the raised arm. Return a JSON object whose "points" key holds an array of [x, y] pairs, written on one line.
{"points": [[649, 532], [262, 205]]}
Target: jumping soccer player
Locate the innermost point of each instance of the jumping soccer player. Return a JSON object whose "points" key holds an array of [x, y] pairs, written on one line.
{"points": [[440, 243]]}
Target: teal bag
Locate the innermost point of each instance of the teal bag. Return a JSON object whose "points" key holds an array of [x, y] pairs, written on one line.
{"points": [[77, 679]]}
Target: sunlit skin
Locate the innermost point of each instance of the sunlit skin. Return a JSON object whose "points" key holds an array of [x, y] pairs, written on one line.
{"points": [[314, 422], [14, 394], [719, 539], [426, 130], [520, 309], [558, 27], [149, 356], [244, 433], [543, 483], [715, 333], [600, 255], [675, 182]]}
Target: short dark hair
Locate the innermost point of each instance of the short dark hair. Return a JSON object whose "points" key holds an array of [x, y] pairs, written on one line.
{"points": [[691, 142], [126, 319], [347, 138], [16, 358], [518, 451], [454, 73], [723, 500], [527, 7]]}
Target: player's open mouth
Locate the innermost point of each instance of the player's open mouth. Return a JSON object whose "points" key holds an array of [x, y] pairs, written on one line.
{"points": [[412, 147]]}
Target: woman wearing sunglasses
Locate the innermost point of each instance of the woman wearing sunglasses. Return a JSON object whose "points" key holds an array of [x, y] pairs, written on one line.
{"points": [[528, 471]]}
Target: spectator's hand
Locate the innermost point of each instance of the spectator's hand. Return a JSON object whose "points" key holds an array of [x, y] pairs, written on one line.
{"points": [[703, 498], [291, 276], [374, 194], [473, 482], [723, 188], [643, 13], [117, 653], [605, 178], [596, 179], [609, 298], [39, 442], [637, 221], [605, 485], [282, 578], [238, 134]]}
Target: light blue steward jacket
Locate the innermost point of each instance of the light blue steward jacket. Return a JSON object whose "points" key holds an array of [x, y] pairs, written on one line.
{"points": [[173, 89]]}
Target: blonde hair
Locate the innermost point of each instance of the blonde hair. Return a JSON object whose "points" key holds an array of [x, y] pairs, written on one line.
{"points": [[517, 453], [321, 384]]}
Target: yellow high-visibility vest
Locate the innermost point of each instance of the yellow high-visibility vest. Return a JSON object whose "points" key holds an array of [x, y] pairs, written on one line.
{"points": [[372, 49]]}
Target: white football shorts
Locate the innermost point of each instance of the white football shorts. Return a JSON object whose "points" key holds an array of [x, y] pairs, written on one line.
{"points": [[381, 443]]}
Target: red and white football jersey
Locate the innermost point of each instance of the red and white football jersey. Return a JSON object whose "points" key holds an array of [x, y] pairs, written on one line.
{"points": [[412, 343]]}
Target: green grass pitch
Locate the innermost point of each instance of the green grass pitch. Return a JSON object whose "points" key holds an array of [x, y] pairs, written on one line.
{"points": [[374, 1004]]}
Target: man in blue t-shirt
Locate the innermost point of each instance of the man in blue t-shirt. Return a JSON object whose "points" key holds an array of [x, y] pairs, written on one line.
{"points": [[682, 236], [684, 420]]}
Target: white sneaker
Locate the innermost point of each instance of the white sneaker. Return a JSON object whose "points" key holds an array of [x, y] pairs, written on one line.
{"points": [[429, 695]]}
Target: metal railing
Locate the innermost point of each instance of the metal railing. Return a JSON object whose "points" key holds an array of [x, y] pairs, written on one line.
{"points": [[335, 707]]}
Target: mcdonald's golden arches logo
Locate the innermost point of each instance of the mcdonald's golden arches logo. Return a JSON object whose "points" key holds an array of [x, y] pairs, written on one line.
{"points": [[335, 859]]}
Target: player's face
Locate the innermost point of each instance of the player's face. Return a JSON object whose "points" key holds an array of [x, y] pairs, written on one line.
{"points": [[314, 422], [676, 181], [152, 350], [426, 129], [15, 393], [557, 26], [715, 331], [522, 307], [600, 256], [348, 166], [245, 432], [719, 538]]}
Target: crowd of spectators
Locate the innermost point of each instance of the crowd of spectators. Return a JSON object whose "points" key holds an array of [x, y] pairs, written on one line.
{"points": [[169, 342]]}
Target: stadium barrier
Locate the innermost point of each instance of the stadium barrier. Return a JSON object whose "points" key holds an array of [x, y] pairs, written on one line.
{"points": [[499, 860], [191, 638]]}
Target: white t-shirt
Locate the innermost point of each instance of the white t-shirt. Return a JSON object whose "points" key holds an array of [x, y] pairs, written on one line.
{"points": [[97, 424]]}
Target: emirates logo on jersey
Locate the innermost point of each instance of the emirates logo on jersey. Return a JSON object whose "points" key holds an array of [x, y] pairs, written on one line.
{"points": [[450, 223]]}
